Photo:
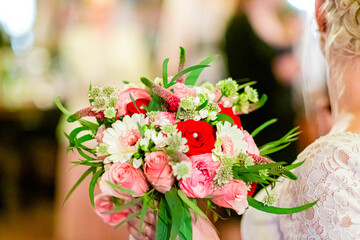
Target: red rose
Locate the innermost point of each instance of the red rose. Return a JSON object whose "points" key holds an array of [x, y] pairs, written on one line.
{"points": [[252, 189], [199, 136], [228, 111]]}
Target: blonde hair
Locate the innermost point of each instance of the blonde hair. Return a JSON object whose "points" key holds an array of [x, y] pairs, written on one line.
{"points": [[343, 37]]}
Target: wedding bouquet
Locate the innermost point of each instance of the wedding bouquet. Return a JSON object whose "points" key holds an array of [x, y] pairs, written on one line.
{"points": [[170, 143]]}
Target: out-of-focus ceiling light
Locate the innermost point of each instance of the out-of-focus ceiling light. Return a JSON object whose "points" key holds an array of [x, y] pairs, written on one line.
{"points": [[303, 5]]}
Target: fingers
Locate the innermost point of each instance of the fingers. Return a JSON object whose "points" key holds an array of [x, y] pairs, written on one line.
{"points": [[147, 232]]}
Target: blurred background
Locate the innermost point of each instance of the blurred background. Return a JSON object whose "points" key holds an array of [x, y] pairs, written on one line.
{"points": [[57, 48]]}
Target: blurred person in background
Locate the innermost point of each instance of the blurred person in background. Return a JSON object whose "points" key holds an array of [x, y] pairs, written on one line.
{"points": [[101, 42], [259, 46]]}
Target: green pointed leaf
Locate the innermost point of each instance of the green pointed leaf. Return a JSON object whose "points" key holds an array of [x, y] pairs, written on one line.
{"points": [[84, 138], [295, 165], [129, 218], [141, 130], [93, 182], [244, 85], [126, 82], [60, 106], [88, 163], [125, 190], [83, 176], [182, 58], [176, 211], [185, 231], [275, 210], [203, 105], [193, 76], [165, 72], [127, 205], [89, 125], [84, 155], [183, 72], [190, 203], [163, 224], [224, 117], [142, 214], [133, 102], [263, 126]]}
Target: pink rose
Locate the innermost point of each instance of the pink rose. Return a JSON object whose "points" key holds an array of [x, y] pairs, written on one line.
{"points": [[100, 134], [103, 203], [233, 195], [158, 171], [203, 172], [124, 104], [164, 118], [124, 175], [252, 148], [182, 91]]}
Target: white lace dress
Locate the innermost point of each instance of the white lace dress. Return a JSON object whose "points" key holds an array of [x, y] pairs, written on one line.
{"points": [[331, 175]]}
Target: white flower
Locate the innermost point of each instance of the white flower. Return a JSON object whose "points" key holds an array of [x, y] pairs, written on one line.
{"points": [[160, 140], [176, 143], [182, 170], [203, 113], [137, 162], [229, 140], [213, 116], [123, 138]]}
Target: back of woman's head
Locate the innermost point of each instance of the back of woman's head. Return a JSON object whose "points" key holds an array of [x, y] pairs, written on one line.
{"points": [[343, 23]]}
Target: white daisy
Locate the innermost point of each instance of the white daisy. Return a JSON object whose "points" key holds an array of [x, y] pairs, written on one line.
{"points": [[229, 140], [123, 138]]}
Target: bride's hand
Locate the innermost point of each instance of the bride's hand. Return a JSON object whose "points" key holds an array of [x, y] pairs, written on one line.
{"points": [[148, 231]]}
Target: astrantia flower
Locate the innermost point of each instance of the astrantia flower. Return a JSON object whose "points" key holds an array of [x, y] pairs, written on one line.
{"points": [[252, 94], [228, 87], [182, 170], [169, 129], [102, 150], [176, 143], [224, 173], [110, 112], [123, 138], [229, 140], [269, 199]]}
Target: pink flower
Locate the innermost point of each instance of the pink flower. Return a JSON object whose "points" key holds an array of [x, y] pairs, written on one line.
{"points": [[181, 90], [124, 104], [103, 203], [224, 101], [233, 195], [124, 175], [100, 134], [199, 184], [252, 148], [158, 171], [163, 118]]}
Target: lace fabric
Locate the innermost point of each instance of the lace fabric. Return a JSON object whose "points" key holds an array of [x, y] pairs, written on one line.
{"points": [[330, 175]]}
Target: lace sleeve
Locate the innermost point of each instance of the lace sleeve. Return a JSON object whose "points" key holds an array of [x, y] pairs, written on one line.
{"points": [[331, 175]]}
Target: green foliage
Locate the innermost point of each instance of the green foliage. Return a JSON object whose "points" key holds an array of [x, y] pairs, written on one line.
{"points": [[129, 218], [263, 126], [83, 176], [125, 190], [165, 72], [277, 145], [182, 58], [61, 107], [163, 224], [127, 205], [183, 72], [194, 75], [93, 182], [143, 213], [190, 203], [185, 227], [224, 117], [203, 105], [176, 212], [261, 207]]}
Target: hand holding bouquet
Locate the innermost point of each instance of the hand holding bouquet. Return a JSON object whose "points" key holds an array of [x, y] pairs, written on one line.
{"points": [[168, 144]]}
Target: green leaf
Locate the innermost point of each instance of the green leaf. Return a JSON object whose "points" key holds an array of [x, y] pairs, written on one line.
{"points": [[185, 227], [176, 212], [84, 155], [187, 70], [141, 130], [83, 176], [127, 205], [133, 102], [224, 117], [129, 218], [193, 76], [84, 138], [203, 105], [190, 203], [182, 58], [126, 82], [74, 133], [60, 106], [244, 85], [263, 126], [275, 210], [163, 224], [89, 125], [93, 182], [143, 213], [125, 190], [165, 72], [295, 165]]}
